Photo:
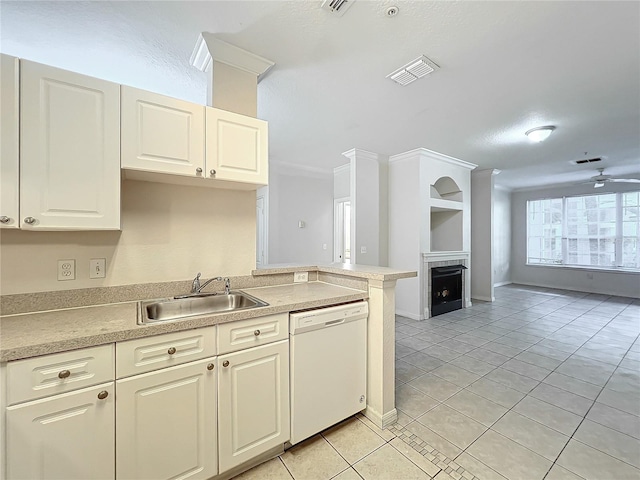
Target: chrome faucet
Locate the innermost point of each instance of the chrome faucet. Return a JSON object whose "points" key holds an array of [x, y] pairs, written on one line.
{"points": [[197, 288]]}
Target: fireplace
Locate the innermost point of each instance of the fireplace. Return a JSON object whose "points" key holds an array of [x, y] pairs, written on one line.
{"points": [[446, 289]]}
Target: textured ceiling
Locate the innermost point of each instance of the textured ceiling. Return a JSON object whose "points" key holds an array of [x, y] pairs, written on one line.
{"points": [[505, 67]]}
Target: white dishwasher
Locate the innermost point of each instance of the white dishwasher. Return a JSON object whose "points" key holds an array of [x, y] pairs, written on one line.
{"points": [[328, 368]]}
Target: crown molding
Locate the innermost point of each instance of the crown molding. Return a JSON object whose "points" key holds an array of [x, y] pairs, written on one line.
{"points": [[356, 153], [341, 168], [487, 172], [289, 168], [431, 155], [208, 48]]}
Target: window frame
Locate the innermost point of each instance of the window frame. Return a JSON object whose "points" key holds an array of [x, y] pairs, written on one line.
{"points": [[618, 241]]}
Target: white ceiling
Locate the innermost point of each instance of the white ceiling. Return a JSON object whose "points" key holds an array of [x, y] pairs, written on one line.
{"points": [[505, 67]]}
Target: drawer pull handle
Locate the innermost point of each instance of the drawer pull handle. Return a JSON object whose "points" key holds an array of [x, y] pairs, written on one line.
{"points": [[225, 363], [211, 366], [103, 394], [64, 374], [29, 220], [213, 172], [256, 333], [198, 170], [4, 219], [171, 351]]}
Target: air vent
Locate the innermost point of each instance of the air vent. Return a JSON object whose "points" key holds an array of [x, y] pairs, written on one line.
{"points": [[588, 160], [337, 7], [414, 70]]}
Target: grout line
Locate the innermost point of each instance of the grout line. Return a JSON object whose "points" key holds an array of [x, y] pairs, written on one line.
{"points": [[569, 322]]}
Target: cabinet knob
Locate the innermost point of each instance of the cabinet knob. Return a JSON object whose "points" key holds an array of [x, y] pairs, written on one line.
{"points": [[64, 374], [171, 351], [225, 363], [198, 170], [210, 366], [256, 333], [29, 220], [212, 172], [103, 394], [4, 219]]}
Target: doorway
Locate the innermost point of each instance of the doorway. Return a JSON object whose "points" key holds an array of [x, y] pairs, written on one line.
{"points": [[342, 230]]}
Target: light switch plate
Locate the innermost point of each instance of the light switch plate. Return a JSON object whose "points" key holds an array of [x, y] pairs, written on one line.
{"points": [[97, 268], [299, 277]]}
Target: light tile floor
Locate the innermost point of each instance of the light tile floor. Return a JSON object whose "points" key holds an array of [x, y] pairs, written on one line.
{"points": [[541, 383]]}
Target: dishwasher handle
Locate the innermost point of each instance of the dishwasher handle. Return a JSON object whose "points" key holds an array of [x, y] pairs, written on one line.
{"points": [[334, 322]]}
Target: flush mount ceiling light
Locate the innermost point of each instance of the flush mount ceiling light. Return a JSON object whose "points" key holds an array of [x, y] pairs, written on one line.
{"points": [[539, 134], [414, 70]]}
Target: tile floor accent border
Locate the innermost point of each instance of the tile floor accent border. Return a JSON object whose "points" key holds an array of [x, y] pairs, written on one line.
{"points": [[439, 459]]}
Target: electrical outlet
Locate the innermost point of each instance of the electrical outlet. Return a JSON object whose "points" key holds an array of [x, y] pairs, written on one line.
{"points": [[97, 267], [324, 246], [363, 249], [299, 277], [67, 269]]}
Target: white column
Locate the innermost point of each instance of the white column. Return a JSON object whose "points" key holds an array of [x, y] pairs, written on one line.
{"points": [[482, 184], [381, 406]]}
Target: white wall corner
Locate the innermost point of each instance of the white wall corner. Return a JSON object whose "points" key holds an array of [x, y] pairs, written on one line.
{"points": [[209, 48], [341, 169]]}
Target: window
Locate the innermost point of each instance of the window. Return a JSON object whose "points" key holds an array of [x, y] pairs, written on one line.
{"points": [[590, 230]]}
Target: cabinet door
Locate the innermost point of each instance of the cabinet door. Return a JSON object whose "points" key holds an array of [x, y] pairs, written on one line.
{"points": [[66, 436], [69, 150], [166, 423], [161, 134], [9, 103], [237, 147], [253, 402]]}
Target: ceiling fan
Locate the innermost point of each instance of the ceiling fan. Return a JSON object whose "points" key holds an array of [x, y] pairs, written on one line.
{"points": [[600, 179]]}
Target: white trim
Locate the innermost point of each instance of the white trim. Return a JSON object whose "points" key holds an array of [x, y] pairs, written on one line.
{"points": [[381, 421], [357, 152], [430, 154], [341, 168], [484, 299], [561, 287], [209, 48], [410, 315], [502, 284], [283, 168]]}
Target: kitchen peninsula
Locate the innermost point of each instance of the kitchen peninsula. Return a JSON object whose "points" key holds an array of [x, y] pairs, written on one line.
{"points": [[66, 322]]}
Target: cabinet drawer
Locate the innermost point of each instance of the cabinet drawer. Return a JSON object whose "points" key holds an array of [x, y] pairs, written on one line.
{"points": [[248, 333], [58, 373], [151, 353]]}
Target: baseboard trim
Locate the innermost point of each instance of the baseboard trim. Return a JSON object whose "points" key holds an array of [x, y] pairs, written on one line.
{"points": [[412, 316], [565, 288], [381, 421], [502, 284], [485, 299]]}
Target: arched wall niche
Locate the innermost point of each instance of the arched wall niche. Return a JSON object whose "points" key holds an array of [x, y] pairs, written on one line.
{"points": [[446, 188]]}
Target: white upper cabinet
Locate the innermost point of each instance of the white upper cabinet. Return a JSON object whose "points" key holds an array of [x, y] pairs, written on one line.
{"points": [[9, 109], [161, 134], [69, 150], [237, 148]]}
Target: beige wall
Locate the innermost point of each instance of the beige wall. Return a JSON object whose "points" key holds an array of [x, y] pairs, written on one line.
{"points": [[169, 232]]}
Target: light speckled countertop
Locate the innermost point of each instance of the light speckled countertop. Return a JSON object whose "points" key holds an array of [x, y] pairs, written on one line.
{"points": [[358, 271], [32, 334]]}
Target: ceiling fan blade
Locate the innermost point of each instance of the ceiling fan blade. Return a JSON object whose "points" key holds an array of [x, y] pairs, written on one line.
{"points": [[625, 180]]}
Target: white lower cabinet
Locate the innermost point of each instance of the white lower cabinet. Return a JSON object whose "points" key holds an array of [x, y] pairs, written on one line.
{"points": [[253, 402], [67, 436], [166, 423]]}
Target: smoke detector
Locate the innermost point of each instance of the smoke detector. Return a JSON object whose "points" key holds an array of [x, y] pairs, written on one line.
{"points": [[418, 68], [336, 7]]}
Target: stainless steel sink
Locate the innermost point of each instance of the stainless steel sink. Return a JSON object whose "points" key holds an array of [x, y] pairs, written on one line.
{"points": [[153, 311]]}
